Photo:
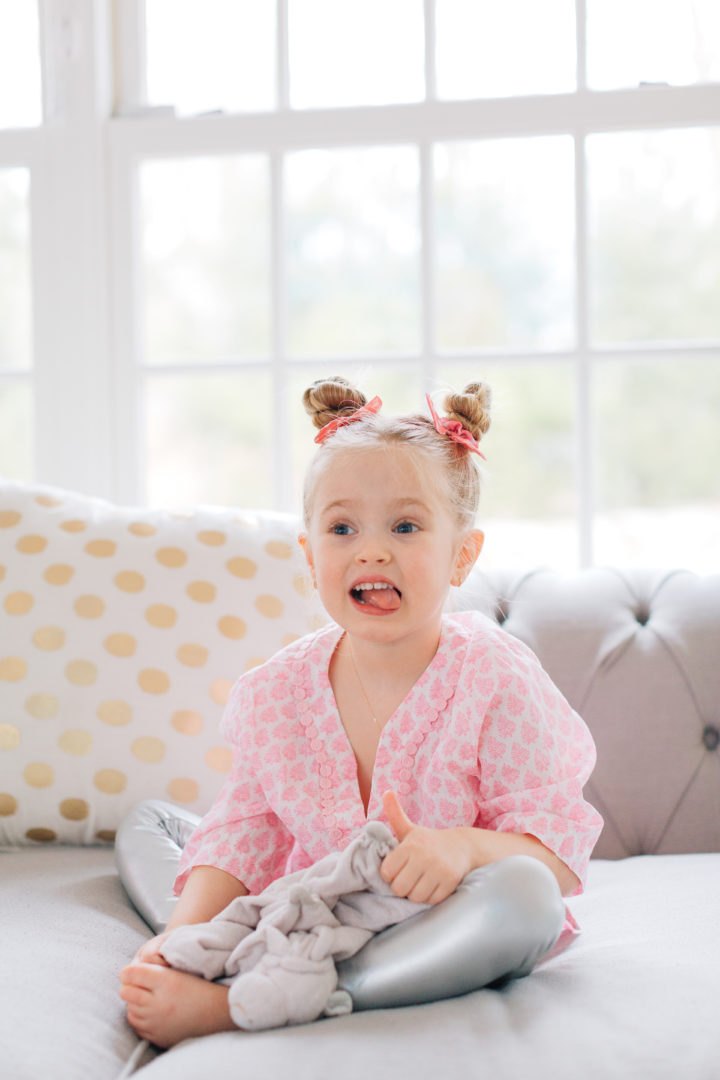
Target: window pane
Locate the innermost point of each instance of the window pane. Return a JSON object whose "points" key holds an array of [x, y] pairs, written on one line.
{"points": [[16, 430], [631, 42], [355, 52], [204, 55], [528, 505], [353, 251], [505, 243], [400, 391], [20, 90], [206, 256], [658, 462], [15, 297], [209, 440], [655, 235], [490, 49]]}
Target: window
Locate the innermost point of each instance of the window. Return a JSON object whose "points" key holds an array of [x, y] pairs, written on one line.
{"points": [[526, 193]]}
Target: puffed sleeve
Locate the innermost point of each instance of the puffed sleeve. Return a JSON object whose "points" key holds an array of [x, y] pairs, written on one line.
{"points": [[240, 833], [535, 754]]}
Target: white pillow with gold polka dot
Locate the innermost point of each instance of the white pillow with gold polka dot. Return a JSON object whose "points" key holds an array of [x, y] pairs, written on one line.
{"points": [[121, 633]]}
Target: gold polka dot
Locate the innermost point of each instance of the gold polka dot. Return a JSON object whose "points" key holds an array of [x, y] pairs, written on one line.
{"points": [[201, 591], [107, 835], [241, 568], [278, 549], [120, 644], [89, 607], [183, 790], [153, 681], [3, 572], [187, 722], [129, 581], [148, 749], [31, 545], [39, 775], [289, 638], [141, 528], [81, 672], [49, 638], [317, 622], [192, 655], [161, 615], [110, 781], [42, 706], [171, 556], [8, 518], [270, 606], [12, 669], [8, 804], [19, 603], [48, 500], [58, 574], [101, 549], [255, 661], [212, 538], [74, 809], [220, 691], [75, 741], [42, 836], [219, 759], [9, 737], [115, 713], [302, 584], [74, 526], [232, 627]]}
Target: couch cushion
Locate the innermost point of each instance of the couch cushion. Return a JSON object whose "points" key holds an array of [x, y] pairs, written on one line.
{"points": [[121, 633], [67, 930], [634, 997]]}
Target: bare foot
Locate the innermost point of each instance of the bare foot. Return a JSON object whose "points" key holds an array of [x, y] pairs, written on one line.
{"points": [[166, 1006]]}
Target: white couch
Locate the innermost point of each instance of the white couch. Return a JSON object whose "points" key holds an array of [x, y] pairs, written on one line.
{"points": [[121, 631]]}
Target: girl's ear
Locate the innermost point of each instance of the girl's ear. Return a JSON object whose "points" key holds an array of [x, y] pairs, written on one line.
{"points": [[467, 556], [303, 542]]}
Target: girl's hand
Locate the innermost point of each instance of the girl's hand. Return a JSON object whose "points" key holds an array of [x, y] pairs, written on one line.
{"points": [[149, 953], [428, 864]]}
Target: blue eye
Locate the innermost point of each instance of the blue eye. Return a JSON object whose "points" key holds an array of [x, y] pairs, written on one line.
{"points": [[341, 529], [406, 527]]}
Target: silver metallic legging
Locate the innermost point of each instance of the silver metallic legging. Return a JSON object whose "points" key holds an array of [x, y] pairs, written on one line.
{"points": [[497, 924]]}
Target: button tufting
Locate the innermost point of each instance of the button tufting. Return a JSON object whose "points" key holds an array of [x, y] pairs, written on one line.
{"points": [[642, 615], [711, 737]]}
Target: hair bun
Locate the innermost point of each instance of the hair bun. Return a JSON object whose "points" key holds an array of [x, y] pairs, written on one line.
{"points": [[329, 398], [471, 408]]}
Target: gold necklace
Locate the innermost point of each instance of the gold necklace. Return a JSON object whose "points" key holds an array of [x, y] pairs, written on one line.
{"points": [[377, 723]]}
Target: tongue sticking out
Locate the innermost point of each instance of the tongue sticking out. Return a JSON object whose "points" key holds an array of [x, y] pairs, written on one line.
{"points": [[387, 599]]}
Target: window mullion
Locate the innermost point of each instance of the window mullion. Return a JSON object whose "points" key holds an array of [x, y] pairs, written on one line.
{"points": [[73, 403], [584, 415], [282, 475]]}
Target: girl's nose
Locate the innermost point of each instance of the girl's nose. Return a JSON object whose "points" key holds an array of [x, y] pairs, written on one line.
{"points": [[373, 550]]}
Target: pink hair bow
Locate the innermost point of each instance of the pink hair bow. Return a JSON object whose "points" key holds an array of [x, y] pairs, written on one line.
{"points": [[454, 430], [340, 421]]}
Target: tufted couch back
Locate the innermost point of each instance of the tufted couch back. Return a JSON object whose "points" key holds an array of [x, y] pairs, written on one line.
{"points": [[122, 630], [637, 654]]}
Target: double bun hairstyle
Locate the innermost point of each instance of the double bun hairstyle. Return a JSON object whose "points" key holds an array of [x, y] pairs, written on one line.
{"points": [[327, 400]]}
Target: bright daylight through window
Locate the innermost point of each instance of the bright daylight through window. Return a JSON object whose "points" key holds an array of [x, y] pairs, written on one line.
{"points": [[415, 193]]}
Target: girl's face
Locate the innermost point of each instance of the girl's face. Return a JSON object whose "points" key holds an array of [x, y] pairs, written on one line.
{"points": [[384, 545]]}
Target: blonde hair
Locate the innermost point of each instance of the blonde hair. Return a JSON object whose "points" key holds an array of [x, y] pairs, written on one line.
{"points": [[330, 398]]}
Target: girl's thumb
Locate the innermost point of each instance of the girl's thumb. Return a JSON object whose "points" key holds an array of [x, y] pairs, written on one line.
{"points": [[400, 823]]}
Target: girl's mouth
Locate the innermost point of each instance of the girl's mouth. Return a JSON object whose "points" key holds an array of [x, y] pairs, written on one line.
{"points": [[376, 596]]}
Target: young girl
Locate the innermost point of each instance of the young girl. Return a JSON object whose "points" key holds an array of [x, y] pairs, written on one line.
{"points": [[442, 726]]}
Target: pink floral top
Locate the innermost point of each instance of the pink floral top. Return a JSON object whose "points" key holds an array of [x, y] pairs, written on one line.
{"points": [[484, 738]]}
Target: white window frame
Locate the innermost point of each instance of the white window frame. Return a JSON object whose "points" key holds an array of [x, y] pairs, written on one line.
{"points": [[85, 247]]}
